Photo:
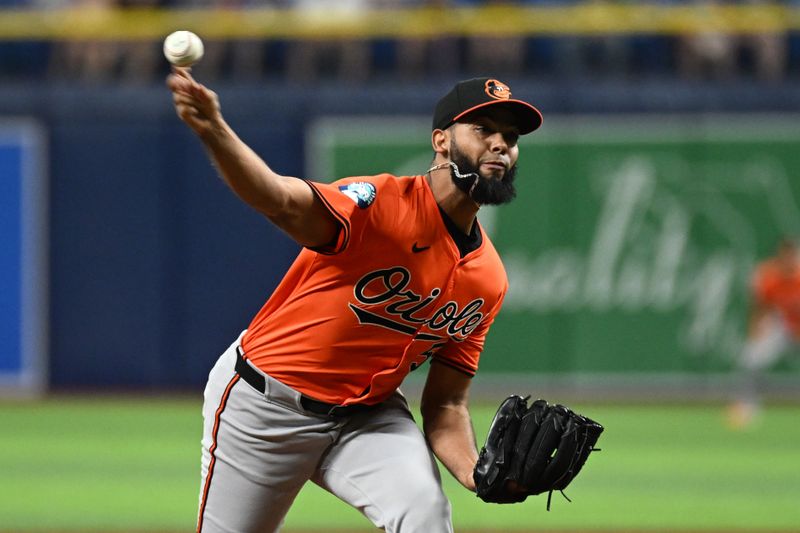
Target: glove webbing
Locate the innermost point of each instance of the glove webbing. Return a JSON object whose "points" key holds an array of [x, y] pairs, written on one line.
{"points": [[564, 494]]}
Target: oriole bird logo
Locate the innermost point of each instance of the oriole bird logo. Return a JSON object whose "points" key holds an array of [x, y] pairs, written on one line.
{"points": [[498, 89]]}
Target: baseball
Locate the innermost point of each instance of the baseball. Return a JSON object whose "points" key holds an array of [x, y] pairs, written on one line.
{"points": [[183, 48]]}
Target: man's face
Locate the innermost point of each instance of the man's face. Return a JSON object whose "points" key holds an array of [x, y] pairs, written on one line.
{"points": [[485, 142]]}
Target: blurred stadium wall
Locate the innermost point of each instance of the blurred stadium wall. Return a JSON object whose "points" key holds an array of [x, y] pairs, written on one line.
{"points": [[668, 164]]}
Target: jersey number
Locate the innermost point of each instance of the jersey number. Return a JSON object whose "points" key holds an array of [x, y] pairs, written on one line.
{"points": [[427, 354]]}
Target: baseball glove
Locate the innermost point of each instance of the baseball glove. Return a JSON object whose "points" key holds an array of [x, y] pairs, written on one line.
{"points": [[531, 450]]}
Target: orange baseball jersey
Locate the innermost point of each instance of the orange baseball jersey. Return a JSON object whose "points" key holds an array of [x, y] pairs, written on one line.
{"points": [[781, 291], [348, 323]]}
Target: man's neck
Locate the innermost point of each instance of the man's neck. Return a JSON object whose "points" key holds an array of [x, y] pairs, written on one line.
{"points": [[461, 209]]}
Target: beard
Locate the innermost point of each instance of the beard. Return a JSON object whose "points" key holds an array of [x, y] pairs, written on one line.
{"points": [[487, 190]]}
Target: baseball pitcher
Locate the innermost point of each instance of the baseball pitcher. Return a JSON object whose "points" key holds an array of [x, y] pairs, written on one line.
{"points": [[394, 271]]}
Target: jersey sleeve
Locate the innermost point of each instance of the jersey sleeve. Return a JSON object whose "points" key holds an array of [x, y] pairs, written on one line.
{"points": [[350, 201]]}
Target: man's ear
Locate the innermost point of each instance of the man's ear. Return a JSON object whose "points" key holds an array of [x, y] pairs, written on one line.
{"points": [[440, 140]]}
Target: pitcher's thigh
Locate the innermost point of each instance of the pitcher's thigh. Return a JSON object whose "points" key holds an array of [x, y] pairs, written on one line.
{"points": [[256, 457], [382, 466], [232, 501]]}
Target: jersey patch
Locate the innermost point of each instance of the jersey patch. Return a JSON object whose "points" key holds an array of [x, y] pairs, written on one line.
{"points": [[361, 192]]}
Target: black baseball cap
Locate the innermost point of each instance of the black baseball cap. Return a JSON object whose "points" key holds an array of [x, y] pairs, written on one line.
{"points": [[469, 95]]}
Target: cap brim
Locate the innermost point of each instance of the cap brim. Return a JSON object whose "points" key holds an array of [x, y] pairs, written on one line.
{"points": [[528, 117]]}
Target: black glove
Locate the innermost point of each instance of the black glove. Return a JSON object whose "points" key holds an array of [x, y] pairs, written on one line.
{"points": [[531, 450]]}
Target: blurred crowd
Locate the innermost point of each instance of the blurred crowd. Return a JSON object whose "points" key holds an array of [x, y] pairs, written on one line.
{"points": [[711, 55]]}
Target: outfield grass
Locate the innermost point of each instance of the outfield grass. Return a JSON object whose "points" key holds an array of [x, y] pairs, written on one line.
{"points": [[109, 464]]}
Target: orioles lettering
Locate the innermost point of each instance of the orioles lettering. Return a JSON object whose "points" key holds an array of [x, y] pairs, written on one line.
{"points": [[389, 286]]}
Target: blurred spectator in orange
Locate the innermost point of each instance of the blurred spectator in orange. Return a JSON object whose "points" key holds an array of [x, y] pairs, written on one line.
{"points": [[773, 328]]}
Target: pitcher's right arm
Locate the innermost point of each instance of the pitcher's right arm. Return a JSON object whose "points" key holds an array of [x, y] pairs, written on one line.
{"points": [[288, 202]]}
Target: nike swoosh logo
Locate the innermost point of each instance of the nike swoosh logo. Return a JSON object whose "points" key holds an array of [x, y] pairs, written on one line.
{"points": [[417, 249]]}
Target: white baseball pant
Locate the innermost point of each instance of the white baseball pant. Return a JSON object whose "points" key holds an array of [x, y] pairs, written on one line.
{"points": [[259, 449]]}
